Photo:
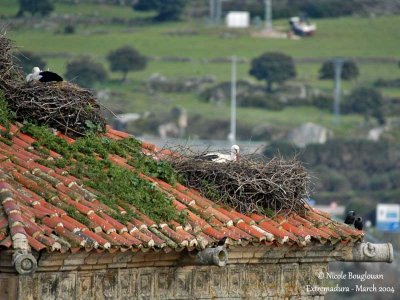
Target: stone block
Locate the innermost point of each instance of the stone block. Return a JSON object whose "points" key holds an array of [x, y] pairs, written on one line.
{"points": [[74, 261], [122, 257], [183, 283], [69, 268], [234, 255], [99, 267], [50, 263], [140, 264], [92, 258], [106, 284], [138, 257], [66, 288], [248, 254], [116, 265], [48, 269], [201, 282], [85, 285], [6, 259], [127, 284], [145, 285], [106, 258], [8, 286], [260, 254], [165, 263], [85, 267], [163, 284]]}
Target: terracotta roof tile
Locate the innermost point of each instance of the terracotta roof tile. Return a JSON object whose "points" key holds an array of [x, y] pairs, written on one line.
{"points": [[7, 243], [35, 244], [35, 201]]}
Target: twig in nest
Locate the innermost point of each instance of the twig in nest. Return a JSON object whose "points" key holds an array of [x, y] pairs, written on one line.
{"points": [[250, 185]]}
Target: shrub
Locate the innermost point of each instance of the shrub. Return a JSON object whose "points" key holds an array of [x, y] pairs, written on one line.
{"points": [[366, 101], [261, 101], [387, 83], [394, 177], [168, 10], [85, 71], [69, 29], [381, 181], [41, 7], [281, 148], [349, 70], [359, 179], [204, 128], [126, 59], [273, 67], [324, 102], [330, 180], [327, 8]]}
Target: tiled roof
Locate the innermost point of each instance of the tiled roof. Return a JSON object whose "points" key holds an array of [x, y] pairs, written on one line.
{"points": [[28, 220]]}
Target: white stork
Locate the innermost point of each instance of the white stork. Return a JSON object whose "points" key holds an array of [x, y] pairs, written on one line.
{"points": [[34, 76], [223, 158], [43, 76]]}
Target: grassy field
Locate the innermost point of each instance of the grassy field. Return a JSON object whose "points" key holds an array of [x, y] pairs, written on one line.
{"points": [[348, 37]]}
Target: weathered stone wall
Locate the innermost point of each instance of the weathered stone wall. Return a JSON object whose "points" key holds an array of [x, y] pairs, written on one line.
{"points": [[190, 282], [253, 272], [8, 286]]}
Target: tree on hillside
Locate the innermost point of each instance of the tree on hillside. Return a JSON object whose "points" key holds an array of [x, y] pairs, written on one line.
{"points": [[85, 71], [41, 7], [168, 10], [273, 67], [349, 70], [27, 60], [366, 101], [126, 59]]}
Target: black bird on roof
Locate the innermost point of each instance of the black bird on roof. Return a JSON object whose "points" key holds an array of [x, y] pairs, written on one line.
{"points": [[358, 223], [222, 241], [350, 217]]}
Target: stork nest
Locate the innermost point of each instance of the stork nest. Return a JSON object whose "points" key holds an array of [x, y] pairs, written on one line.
{"points": [[62, 105], [249, 185]]}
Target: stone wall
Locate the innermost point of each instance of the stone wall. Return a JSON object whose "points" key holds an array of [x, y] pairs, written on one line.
{"points": [[191, 282], [251, 273]]}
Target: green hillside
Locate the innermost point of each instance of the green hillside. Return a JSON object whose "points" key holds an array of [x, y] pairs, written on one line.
{"points": [[373, 42]]}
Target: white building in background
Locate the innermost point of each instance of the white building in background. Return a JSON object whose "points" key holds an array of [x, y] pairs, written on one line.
{"points": [[388, 217], [238, 19]]}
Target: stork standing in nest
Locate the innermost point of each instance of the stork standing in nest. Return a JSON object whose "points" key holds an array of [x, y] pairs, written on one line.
{"points": [[223, 158], [43, 76]]}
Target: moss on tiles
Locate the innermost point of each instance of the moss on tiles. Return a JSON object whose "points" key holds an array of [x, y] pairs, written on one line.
{"points": [[88, 159]]}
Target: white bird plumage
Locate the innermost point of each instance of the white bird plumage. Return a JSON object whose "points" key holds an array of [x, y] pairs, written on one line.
{"points": [[223, 158], [35, 75], [43, 76]]}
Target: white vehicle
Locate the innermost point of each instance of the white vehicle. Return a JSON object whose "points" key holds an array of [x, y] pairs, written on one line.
{"points": [[302, 27]]}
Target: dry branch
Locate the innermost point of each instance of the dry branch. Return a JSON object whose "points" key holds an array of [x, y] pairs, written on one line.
{"points": [[63, 106], [250, 185]]}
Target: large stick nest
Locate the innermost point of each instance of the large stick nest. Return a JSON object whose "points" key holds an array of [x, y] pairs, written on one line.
{"points": [[63, 106], [249, 185]]}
